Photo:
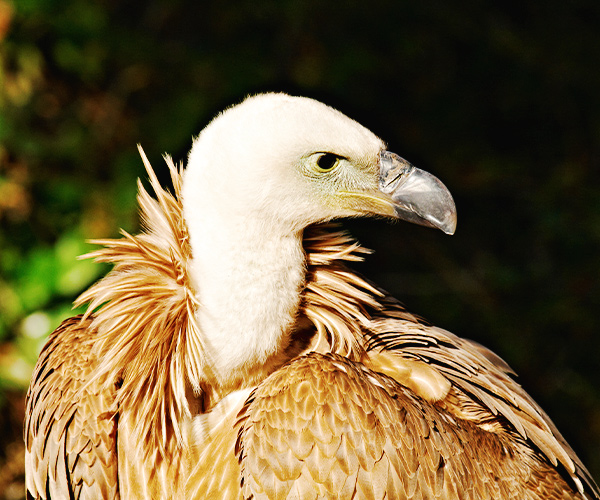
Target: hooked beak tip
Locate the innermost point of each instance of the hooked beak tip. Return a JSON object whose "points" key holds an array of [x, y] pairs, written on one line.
{"points": [[449, 224]]}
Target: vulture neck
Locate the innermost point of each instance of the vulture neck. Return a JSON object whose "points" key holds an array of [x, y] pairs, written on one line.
{"points": [[248, 274]]}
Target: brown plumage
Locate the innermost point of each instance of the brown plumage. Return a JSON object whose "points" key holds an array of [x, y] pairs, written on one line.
{"points": [[365, 401]]}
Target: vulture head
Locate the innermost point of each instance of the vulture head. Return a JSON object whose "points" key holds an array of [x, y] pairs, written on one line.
{"points": [[293, 161], [257, 176]]}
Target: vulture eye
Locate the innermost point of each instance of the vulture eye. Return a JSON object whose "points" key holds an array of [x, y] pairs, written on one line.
{"points": [[327, 161]]}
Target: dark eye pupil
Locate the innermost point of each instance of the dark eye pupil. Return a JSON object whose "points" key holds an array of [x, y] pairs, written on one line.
{"points": [[326, 161]]}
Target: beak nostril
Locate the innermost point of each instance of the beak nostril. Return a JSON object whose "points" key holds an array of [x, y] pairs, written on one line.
{"points": [[392, 170]]}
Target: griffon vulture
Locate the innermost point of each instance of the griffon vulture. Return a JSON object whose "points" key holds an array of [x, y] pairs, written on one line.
{"points": [[232, 354]]}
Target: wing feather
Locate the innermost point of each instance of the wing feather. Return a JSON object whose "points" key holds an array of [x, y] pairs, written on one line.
{"points": [[70, 425], [482, 388], [368, 436]]}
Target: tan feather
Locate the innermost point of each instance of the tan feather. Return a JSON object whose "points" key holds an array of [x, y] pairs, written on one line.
{"points": [[147, 336], [384, 443], [70, 427]]}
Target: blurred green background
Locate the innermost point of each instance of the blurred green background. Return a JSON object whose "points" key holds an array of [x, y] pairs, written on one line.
{"points": [[501, 100]]}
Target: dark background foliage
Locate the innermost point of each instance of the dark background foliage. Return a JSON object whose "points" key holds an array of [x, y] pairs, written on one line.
{"points": [[498, 99]]}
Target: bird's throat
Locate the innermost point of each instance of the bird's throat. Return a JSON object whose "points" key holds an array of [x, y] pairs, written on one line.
{"points": [[248, 276]]}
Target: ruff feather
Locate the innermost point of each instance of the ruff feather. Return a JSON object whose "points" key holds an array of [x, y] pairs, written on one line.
{"points": [[147, 336]]}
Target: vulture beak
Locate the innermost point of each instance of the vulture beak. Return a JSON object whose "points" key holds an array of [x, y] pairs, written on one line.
{"points": [[416, 195]]}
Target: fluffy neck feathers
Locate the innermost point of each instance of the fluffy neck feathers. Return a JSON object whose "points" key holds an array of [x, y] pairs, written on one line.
{"points": [[248, 278]]}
